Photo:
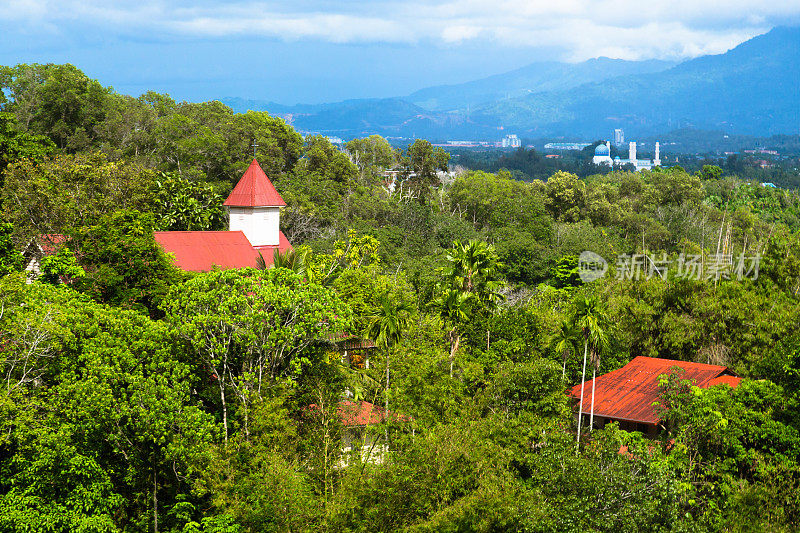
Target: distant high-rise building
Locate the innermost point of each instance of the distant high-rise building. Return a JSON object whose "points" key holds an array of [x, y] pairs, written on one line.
{"points": [[511, 141], [619, 136]]}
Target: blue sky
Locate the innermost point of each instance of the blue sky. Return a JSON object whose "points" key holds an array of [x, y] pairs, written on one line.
{"points": [[320, 50]]}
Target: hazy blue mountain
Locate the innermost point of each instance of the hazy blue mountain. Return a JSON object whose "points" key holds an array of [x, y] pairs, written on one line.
{"points": [[533, 78], [243, 105], [387, 116], [752, 89]]}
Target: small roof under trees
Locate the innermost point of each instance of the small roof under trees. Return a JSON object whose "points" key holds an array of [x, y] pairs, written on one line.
{"points": [[254, 190], [361, 413], [50, 242], [628, 393]]}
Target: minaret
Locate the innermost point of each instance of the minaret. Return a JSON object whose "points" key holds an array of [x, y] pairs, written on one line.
{"points": [[254, 207], [657, 160], [632, 152]]}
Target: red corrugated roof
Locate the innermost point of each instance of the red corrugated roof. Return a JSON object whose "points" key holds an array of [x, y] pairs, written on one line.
{"points": [[254, 190], [200, 251], [359, 413], [629, 392], [50, 242], [733, 381], [362, 413]]}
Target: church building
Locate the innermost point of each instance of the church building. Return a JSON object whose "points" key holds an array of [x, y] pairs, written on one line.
{"points": [[253, 228], [254, 211]]}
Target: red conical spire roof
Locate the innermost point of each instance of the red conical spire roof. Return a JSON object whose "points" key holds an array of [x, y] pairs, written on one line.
{"points": [[254, 190]]}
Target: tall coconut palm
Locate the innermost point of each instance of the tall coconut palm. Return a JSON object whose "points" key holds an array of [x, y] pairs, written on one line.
{"points": [[386, 327], [591, 318], [563, 342]]}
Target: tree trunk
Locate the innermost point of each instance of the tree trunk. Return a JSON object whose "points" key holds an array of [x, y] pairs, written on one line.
{"points": [[386, 401], [591, 416], [564, 367], [155, 501], [224, 408], [454, 348], [580, 409]]}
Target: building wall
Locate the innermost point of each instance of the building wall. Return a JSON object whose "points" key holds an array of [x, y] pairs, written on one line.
{"points": [[259, 224]]}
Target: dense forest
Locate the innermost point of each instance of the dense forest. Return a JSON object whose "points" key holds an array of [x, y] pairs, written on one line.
{"points": [[142, 398]]}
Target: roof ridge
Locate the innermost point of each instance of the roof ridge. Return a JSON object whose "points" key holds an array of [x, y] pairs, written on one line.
{"points": [[254, 189]]}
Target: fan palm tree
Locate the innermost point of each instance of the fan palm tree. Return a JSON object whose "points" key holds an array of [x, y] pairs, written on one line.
{"points": [[452, 306], [591, 318], [386, 327]]}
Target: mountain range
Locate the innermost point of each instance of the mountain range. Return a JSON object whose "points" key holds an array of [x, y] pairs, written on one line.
{"points": [[752, 89]]}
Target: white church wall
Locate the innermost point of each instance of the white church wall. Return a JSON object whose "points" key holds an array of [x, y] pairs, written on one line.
{"points": [[259, 224]]}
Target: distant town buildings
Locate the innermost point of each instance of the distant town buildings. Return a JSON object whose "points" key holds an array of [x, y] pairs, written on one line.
{"points": [[602, 156], [469, 144], [761, 151], [619, 137], [511, 141], [566, 146]]}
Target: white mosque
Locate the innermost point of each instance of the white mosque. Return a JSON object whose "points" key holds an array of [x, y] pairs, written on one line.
{"points": [[602, 156]]}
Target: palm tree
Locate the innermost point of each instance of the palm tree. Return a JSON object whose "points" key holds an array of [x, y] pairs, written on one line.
{"points": [[563, 342], [386, 328], [294, 260], [473, 269], [452, 306], [591, 318]]}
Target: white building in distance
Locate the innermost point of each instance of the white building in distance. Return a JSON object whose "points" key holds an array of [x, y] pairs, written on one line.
{"points": [[602, 156], [619, 137], [566, 146], [511, 141]]}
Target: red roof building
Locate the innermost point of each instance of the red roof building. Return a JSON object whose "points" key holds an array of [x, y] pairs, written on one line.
{"points": [[627, 394], [44, 245], [254, 190], [254, 224], [254, 228], [357, 414]]}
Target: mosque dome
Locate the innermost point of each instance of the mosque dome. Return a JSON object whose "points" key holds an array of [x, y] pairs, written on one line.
{"points": [[601, 149]]}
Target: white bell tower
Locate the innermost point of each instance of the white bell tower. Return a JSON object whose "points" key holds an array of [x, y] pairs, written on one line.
{"points": [[254, 208]]}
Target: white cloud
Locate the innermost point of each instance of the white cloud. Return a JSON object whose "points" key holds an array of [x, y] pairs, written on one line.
{"points": [[629, 29], [459, 32]]}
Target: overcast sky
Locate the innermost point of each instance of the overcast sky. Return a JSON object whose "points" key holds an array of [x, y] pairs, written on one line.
{"points": [[322, 50]]}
